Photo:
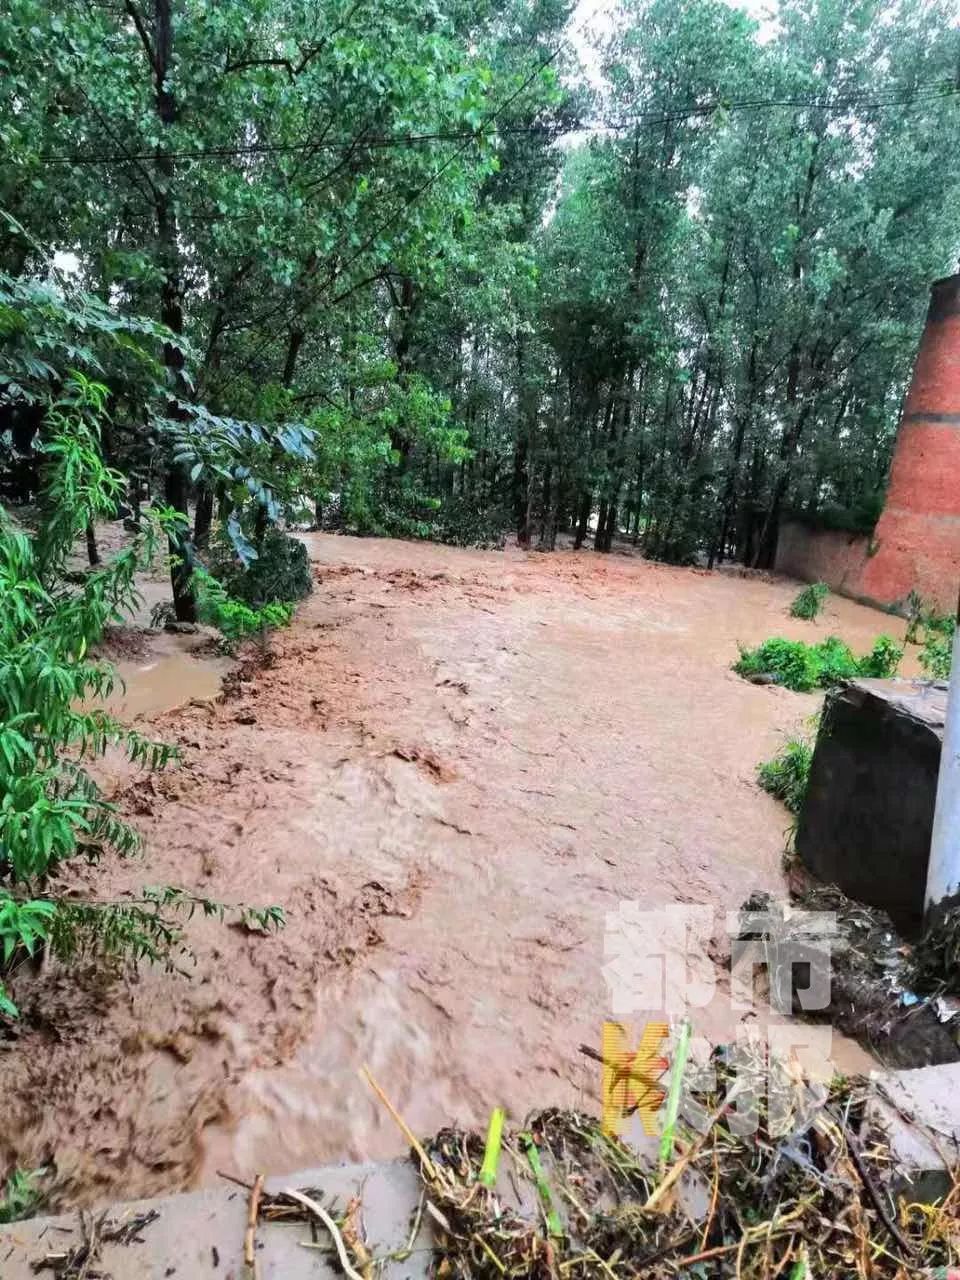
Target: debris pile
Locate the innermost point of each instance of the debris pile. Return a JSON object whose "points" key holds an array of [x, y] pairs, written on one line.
{"points": [[898, 998], [756, 1175], [755, 1191], [809, 1203]]}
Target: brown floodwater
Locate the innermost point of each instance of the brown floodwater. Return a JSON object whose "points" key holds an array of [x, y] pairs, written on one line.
{"points": [[456, 765], [147, 689]]}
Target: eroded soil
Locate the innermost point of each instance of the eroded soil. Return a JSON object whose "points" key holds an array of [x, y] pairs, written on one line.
{"points": [[454, 766]]}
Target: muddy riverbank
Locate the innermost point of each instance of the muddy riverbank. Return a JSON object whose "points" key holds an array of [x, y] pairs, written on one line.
{"points": [[454, 765]]}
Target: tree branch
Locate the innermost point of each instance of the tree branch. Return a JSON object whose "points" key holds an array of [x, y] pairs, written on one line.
{"points": [[138, 22], [244, 63]]}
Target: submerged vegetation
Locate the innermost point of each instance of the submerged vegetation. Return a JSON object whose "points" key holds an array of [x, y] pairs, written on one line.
{"points": [[21, 1195], [802, 667], [764, 1149], [810, 601]]}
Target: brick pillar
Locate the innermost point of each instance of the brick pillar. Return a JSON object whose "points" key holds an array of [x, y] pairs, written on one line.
{"points": [[917, 538]]}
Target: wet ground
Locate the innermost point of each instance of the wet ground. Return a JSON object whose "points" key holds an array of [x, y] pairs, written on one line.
{"points": [[454, 765]]}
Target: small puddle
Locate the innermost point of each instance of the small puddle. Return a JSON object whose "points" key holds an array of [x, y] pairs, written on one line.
{"points": [[151, 688]]}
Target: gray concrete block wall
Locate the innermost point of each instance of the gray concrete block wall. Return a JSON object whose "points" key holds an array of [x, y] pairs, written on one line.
{"points": [[868, 816]]}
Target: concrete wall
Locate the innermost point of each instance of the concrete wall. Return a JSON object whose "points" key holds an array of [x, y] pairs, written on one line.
{"points": [[823, 555], [868, 815]]}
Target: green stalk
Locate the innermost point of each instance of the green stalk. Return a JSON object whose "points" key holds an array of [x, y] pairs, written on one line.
{"points": [[491, 1153], [554, 1225], [673, 1097]]}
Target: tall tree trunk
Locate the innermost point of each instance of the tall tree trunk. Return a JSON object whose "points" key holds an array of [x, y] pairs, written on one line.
{"points": [[203, 515], [601, 528], [176, 485], [93, 555], [583, 519], [404, 304], [521, 451], [610, 529]]}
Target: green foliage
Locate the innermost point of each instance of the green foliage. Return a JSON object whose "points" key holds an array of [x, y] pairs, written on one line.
{"points": [[934, 632], [280, 571], [787, 774], [49, 326], [883, 659], [150, 928], [802, 667], [792, 662], [52, 808], [463, 522], [236, 619], [810, 601], [861, 518], [937, 656], [21, 1196], [390, 299]]}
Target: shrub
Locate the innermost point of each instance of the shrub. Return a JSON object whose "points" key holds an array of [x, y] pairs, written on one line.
{"points": [[882, 660], [53, 809], [792, 662], [835, 661], [810, 601], [787, 774], [280, 571], [462, 522], [936, 656], [933, 631], [802, 667], [235, 619]]}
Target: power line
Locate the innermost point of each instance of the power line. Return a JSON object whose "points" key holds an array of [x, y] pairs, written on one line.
{"points": [[633, 123], [400, 141]]}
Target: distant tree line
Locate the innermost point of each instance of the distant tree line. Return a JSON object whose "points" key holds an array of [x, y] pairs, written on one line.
{"points": [[419, 278]]}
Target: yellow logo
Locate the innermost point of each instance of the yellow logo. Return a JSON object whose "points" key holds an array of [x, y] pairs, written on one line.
{"points": [[631, 1077]]}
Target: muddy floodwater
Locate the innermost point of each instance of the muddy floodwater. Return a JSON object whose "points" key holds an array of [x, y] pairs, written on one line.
{"points": [[455, 765], [159, 684]]}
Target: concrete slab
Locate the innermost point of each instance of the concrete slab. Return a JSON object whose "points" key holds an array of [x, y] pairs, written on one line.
{"points": [[201, 1234], [920, 1112]]}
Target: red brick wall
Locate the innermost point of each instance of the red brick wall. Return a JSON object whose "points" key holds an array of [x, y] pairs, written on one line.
{"points": [[916, 544]]}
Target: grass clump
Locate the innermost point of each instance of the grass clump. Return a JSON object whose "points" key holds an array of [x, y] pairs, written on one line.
{"points": [[803, 667], [21, 1195], [787, 774], [810, 601]]}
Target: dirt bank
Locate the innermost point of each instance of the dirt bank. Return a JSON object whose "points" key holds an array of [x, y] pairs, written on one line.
{"points": [[456, 765]]}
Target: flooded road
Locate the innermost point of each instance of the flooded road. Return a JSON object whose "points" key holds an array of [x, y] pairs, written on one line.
{"points": [[456, 766]]}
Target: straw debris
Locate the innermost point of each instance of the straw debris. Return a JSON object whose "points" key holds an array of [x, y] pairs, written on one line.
{"points": [[802, 1199]]}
